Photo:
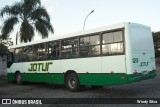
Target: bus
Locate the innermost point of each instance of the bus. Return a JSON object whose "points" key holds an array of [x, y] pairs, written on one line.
{"points": [[112, 55]]}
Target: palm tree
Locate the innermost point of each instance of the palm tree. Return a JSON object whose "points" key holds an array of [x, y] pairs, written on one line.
{"points": [[30, 16]]}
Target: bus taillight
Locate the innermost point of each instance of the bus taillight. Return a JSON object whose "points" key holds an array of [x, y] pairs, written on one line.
{"points": [[135, 73], [154, 70]]}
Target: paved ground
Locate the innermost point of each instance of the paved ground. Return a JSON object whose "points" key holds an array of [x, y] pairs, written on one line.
{"points": [[144, 89]]}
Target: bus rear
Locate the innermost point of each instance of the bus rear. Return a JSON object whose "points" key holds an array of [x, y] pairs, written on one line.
{"points": [[142, 56]]}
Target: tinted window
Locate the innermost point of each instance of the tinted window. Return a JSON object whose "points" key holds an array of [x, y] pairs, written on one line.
{"points": [[39, 52], [18, 54], [69, 48], [53, 50], [30, 53]]}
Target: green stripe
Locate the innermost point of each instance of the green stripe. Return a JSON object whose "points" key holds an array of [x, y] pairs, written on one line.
{"points": [[39, 77], [112, 79], [85, 79]]}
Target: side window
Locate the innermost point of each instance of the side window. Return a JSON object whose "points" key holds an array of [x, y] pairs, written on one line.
{"points": [[18, 54], [118, 36], [112, 43], [69, 48], [25, 56], [90, 45], [30, 53], [107, 37], [53, 50], [94, 45], [84, 46], [39, 52], [42, 51], [35, 51]]}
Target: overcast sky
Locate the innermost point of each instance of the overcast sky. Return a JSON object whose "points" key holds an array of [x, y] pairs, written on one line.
{"points": [[67, 16]]}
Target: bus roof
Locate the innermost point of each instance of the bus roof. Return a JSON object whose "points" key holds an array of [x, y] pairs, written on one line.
{"points": [[85, 32]]}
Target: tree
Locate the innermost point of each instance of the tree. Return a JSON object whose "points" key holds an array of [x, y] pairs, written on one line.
{"points": [[156, 40], [4, 44], [30, 16]]}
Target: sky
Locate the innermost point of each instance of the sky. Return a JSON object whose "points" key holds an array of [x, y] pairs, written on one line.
{"points": [[67, 16]]}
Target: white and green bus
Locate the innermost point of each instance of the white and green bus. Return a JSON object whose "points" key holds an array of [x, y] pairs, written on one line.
{"points": [[111, 55]]}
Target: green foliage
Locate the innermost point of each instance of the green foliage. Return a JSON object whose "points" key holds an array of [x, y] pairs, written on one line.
{"points": [[30, 15], [4, 44], [3, 48], [156, 39]]}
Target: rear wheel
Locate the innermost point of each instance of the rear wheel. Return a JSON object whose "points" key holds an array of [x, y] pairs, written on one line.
{"points": [[72, 82], [19, 80]]}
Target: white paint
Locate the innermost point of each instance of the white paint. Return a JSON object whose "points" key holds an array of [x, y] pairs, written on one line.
{"points": [[137, 40]]}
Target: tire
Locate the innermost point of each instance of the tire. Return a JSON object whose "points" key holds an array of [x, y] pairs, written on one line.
{"points": [[19, 80], [72, 82]]}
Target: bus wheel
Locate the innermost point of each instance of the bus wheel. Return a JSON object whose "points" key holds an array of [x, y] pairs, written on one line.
{"points": [[19, 78], [72, 82]]}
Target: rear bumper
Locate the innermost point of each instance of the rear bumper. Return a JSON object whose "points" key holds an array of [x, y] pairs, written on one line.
{"points": [[141, 77]]}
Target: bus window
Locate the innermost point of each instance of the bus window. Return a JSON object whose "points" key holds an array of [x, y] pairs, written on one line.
{"points": [[25, 54], [84, 46], [112, 43], [35, 51], [94, 42], [39, 52], [108, 38], [53, 50], [118, 36], [90, 45], [69, 48], [30, 53], [18, 54]]}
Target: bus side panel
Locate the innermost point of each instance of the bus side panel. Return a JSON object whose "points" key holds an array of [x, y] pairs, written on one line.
{"points": [[113, 72], [43, 71], [82, 65], [98, 70], [113, 64], [87, 69], [12, 70]]}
